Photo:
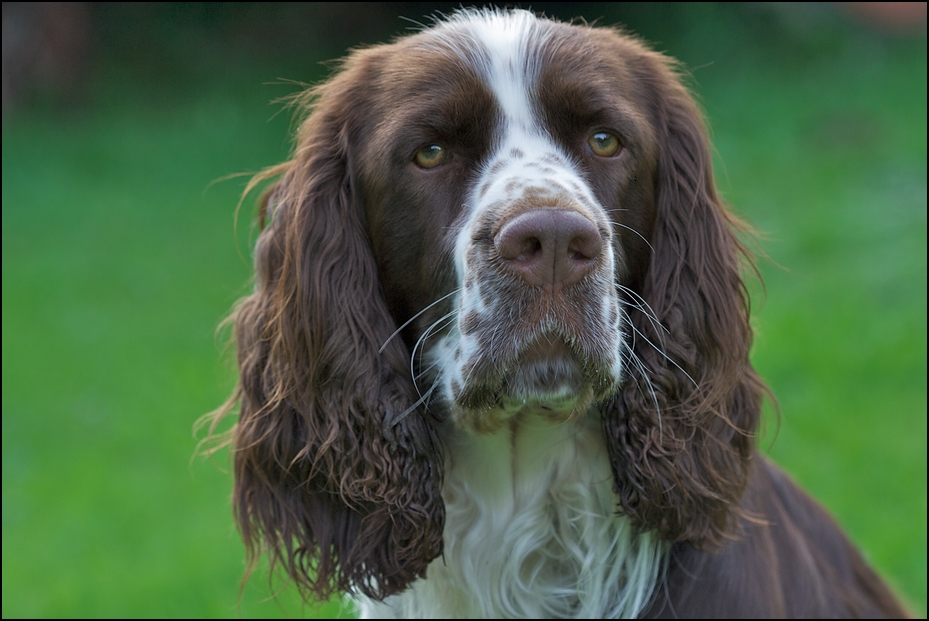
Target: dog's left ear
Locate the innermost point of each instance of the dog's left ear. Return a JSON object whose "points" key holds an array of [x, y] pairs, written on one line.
{"points": [[681, 430], [338, 474]]}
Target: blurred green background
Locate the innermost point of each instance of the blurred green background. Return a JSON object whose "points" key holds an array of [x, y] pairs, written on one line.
{"points": [[120, 257]]}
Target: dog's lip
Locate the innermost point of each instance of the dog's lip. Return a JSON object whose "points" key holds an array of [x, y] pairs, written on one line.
{"points": [[546, 348], [546, 377]]}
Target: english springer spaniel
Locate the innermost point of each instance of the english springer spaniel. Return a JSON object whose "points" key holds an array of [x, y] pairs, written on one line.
{"points": [[496, 363]]}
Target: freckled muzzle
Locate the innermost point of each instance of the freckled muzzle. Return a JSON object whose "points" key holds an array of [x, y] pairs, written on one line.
{"points": [[538, 318]]}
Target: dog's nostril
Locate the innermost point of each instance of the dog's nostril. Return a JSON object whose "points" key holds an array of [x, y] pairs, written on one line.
{"points": [[585, 245], [528, 250], [549, 246]]}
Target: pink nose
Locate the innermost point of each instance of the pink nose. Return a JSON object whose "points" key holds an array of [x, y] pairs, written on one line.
{"points": [[549, 246]]}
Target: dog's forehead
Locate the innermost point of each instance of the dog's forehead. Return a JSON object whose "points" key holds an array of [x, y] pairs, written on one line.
{"points": [[525, 61], [500, 46]]}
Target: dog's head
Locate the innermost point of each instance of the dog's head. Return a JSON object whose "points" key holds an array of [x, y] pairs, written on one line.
{"points": [[501, 216]]}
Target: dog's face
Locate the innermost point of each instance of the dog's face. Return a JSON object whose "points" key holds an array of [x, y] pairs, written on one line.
{"points": [[510, 196]]}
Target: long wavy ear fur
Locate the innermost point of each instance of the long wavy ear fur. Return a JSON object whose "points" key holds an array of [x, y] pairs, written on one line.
{"points": [[681, 430], [336, 491]]}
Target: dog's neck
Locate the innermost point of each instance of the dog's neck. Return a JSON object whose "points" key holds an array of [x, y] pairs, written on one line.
{"points": [[532, 530]]}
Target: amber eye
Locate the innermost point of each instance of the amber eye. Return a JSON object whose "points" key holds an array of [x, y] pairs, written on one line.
{"points": [[604, 144], [431, 156]]}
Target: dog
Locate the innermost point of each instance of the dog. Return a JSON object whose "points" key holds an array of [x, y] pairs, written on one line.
{"points": [[496, 362]]}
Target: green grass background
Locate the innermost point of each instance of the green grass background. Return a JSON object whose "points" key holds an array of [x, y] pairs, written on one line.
{"points": [[120, 258]]}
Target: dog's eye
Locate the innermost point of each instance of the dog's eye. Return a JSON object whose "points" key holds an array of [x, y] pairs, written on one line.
{"points": [[431, 156], [604, 144]]}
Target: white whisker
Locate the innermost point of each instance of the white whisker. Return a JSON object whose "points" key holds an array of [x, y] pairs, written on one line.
{"points": [[637, 233], [410, 320], [650, 315], [639, 302], [637, 362], [399, 417], [668, 358], [422, 339]]}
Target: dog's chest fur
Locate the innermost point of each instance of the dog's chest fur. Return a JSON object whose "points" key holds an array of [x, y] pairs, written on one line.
{"points": [[531, 531]]}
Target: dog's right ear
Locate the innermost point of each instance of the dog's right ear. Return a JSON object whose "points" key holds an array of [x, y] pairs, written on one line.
{"points": [[682, 430], [331, 481]]}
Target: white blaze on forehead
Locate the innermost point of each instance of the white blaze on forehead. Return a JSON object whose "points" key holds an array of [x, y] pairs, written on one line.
{"points": [[502, 47], [510, 72]]}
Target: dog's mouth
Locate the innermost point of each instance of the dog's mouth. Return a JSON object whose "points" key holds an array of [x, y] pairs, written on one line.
{"points": [[547, 376], [546, 380], [548, 356]]}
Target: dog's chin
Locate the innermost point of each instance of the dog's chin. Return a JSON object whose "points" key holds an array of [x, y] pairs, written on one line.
{"points": [[546, 383], [547, 376]]}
